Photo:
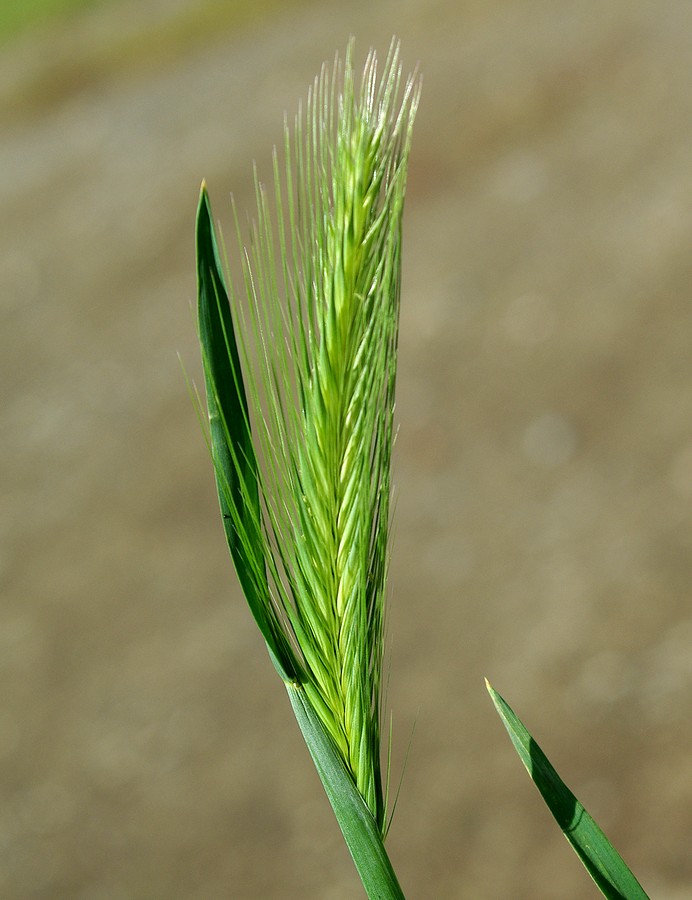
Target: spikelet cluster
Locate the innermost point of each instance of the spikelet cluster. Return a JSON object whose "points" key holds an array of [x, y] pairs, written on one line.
{"points": [[318, 323]]}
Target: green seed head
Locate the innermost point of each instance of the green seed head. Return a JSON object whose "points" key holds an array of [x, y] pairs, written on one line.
{"points": [[317, 325]]}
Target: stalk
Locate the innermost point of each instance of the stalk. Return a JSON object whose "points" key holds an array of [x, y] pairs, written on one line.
{"points": [[300, 370]]}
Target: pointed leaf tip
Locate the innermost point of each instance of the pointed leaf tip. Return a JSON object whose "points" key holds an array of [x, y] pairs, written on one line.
{"points": [[231, 439], [600, 859]]}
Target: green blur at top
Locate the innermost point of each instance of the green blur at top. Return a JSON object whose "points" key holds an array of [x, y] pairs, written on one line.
{"points": [[17, 16]]}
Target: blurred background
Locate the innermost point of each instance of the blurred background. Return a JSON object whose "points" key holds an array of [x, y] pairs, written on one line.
{"points": [[543, 469]]}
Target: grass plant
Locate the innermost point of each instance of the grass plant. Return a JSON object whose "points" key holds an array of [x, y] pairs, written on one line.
{"points": [[300, 371], [300, 374]]}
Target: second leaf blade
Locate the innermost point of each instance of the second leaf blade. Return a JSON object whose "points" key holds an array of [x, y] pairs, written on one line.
{"points": [[601, 860]]}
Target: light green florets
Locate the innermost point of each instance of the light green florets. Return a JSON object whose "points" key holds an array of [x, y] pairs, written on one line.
{"points": [[318, 338]]}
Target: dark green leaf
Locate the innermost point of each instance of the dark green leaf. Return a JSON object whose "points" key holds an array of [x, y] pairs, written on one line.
{"points": [[357, 823], [602, 861], [234, 458]]}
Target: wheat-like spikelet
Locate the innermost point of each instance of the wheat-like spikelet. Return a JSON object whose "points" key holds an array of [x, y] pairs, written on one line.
{"points": [[318, 335]]}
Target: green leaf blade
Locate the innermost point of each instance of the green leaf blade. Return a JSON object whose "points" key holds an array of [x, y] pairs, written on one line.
{"points": [[358, 826], [232, 449], [603, 863]]}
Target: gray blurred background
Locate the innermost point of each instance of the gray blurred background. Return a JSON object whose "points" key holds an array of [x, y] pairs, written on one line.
{"points": [[543, 471]]}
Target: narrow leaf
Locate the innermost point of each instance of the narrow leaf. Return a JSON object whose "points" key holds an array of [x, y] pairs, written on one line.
{"points": [[601, 860], [232, 450], [359, 828]]}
